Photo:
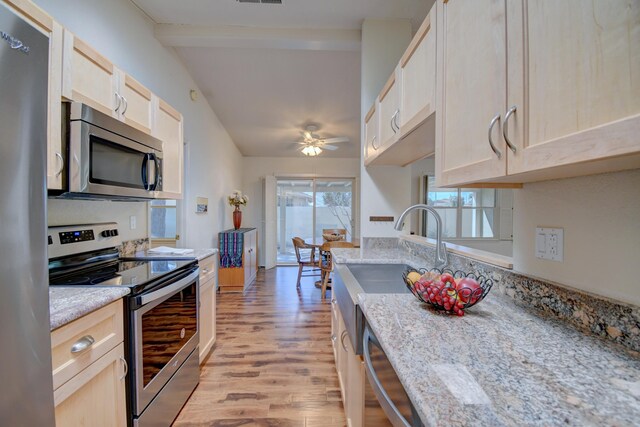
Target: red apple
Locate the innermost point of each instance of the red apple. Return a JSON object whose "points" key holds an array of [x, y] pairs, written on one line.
{"points": [[469, 290]]}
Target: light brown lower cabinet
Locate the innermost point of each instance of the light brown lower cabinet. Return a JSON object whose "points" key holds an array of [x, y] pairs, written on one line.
{"points": [[96, 396], [208, 279], [89, 370], [350, 367]]}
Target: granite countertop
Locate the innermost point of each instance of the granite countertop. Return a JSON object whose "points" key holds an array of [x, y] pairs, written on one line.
{"points": [[376, 256], [198, 254], [503, 365], [67, 304]]}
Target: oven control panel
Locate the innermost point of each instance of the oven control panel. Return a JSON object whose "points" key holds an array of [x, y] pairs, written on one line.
{"points": [[64, 240], [67, 237]]}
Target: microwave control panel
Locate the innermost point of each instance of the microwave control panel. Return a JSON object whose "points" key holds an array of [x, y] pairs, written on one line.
{"points": [[67, 237]]}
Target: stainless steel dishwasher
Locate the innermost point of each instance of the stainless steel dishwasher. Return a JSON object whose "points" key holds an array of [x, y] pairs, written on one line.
{"points": [[386, 402]]}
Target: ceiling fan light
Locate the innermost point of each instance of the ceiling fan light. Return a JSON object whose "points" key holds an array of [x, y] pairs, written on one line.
{"points": [[311, 150]]}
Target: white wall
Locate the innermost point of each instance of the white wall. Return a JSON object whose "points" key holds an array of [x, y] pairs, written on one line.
{"points": [[256, 168], [384, 190], [600, 216], [121, 32]]}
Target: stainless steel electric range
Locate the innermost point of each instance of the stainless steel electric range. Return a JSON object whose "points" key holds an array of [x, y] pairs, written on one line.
{"points": [[161, 315]]}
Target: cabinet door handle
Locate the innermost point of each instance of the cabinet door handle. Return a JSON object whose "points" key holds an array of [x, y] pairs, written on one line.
{"points": [[58, 155], [125, 368], [82, 344], [344, 334], [373, 142], [395, 120], [505, 128], [118, 102], [126, 105], [495, 120]]}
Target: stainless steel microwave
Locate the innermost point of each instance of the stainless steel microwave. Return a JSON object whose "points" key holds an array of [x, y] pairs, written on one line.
{"points": [[107, 158]]}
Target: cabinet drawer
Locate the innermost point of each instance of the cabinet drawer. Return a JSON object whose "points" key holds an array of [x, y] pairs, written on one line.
{"points": [[104, 327], [207, 268]]}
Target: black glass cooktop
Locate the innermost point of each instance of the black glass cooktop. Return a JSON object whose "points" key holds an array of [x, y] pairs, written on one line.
{"points": [[119, 273]]}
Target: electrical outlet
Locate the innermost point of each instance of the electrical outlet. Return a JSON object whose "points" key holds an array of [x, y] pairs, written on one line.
{"points": [[550, 243], [132, 222]]}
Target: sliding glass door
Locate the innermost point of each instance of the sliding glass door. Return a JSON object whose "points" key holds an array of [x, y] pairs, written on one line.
{"points": [[306, 207]]}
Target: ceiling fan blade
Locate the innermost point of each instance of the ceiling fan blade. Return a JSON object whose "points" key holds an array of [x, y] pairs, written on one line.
{"points": [[336, 140], [329, 147]]}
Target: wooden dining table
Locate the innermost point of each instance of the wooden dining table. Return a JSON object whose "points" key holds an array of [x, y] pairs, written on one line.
{"points": [[319, 241]]}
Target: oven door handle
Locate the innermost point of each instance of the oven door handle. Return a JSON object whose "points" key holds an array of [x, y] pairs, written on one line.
{"points": [[167, 290], [389, 408]]}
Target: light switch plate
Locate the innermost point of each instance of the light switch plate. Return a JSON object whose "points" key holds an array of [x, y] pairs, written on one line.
{"points": [[550, 243], [132, 222]]}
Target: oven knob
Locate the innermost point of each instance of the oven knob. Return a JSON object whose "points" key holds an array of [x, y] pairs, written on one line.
{"points": [[114, 232], [105, 233]]}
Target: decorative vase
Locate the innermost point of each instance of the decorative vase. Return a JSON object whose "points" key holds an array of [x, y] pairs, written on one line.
{"points": [[237, 218]]}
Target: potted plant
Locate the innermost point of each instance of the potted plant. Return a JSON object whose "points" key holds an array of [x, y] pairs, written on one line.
{"points": [[236, 199]]}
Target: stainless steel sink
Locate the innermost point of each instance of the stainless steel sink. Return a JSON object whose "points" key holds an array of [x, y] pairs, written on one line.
{"points": [[380, 278], [351, 280]]}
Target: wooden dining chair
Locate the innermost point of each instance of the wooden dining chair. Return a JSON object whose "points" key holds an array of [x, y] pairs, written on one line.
{"points": [[306, 256], [326, 264], [342, 232]]}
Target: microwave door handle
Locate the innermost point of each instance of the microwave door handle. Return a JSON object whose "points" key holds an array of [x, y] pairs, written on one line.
{"points": [[156, 168], [389, 408], [145, 172]]}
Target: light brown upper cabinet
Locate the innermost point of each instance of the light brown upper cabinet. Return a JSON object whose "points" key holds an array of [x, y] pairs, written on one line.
{"points": [[168, 128], [388, 110], [418, 78], [538, 90], [371, 135], [40, 20], [406, 104], [91, 78], [136, 109]]}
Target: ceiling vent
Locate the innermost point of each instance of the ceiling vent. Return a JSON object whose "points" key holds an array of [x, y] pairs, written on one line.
{"points": [[261, 1]]}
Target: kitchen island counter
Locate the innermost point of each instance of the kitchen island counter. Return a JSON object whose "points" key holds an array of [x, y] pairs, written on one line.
{"points": [[67, 304], [501, 364]]}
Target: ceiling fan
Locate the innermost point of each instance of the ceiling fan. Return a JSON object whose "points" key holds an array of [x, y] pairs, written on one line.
{"points": [[312, 144]]}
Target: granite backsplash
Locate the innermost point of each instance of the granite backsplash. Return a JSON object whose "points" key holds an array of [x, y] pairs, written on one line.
{"points": [[614, 320], [130, 247]]}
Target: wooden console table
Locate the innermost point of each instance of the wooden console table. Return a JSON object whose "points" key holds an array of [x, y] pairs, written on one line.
{"points": [[238, 259]]}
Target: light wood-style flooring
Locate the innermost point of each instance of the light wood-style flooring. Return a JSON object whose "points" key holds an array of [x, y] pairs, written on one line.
{"points": [[272, 364]]}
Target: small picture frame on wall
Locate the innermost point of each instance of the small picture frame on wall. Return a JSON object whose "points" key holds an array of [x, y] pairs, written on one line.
{"points": [[202, 205]]}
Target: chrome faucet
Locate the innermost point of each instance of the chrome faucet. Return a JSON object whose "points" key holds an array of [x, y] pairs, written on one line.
{"points": [[441, 248]]}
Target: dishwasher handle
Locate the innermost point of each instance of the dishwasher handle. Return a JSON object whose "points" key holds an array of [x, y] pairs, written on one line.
{"points": [[392, 412]]}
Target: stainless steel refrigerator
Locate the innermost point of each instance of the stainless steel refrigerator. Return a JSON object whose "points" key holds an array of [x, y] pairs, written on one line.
{"points": [[26, 389]]}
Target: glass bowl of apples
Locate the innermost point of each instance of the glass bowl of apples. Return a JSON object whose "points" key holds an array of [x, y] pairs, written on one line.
{"points": [[446, 290]]}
